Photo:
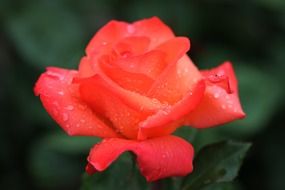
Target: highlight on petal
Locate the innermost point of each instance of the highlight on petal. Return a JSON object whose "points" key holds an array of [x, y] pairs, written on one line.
{"points": [[220, 103], [157, 158], [60, 98]]}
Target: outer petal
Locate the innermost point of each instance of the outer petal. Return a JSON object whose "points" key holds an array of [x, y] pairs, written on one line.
{"points": [[60, 98], [124, 109], [157, 158], [220, 103]]}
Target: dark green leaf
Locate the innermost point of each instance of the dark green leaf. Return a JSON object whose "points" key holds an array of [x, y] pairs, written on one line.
{"points": [[215, 164]]}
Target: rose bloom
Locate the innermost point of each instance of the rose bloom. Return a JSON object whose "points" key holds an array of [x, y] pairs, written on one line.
{"points": [[133, 88]]}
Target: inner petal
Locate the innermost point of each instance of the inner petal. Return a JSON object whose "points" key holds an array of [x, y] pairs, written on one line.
{"points": [[175, 82]]}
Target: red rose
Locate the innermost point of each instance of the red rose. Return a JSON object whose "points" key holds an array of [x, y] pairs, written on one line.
{"points": [[134, 87]]}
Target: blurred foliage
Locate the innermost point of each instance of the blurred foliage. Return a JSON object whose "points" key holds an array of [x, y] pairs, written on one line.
{"points": [[34, 34]]}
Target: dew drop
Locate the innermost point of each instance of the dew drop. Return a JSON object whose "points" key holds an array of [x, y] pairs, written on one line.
{"points": [[179, 72], [77, 125], [216, 95], [61, 93], [82, 120], [55, 103], [70, 107], [64, 117], [223, 107], [130, 29], [155, 101]]}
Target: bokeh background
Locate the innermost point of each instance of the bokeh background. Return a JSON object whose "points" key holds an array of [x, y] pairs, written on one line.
{"points": [[34, 34]]}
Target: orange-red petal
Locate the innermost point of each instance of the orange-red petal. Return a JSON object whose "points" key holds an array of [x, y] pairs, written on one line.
{"points": [[177, 79], [113, 31], [166, 120], [157, 158], [60, 98], [125, 109], [220, 103]]}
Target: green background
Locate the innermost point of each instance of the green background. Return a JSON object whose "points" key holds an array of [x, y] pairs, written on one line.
{"points": [[34, 34]]}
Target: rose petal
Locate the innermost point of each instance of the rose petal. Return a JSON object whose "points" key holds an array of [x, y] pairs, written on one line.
{"points": [[218, 106], [59, 97], [153, 28], [177, 79], [174, 49], [85, 68], [168, 119], [157, 158], [132, 45], [113, 31], [107, 35], [149, 64], [136, 82], [123, 108]]}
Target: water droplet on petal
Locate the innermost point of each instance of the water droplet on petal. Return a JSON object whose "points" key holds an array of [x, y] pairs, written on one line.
{"points": [[131, 29], [70, 107], [64, 117], [55, 103], [216, 95], [61, 93]]}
